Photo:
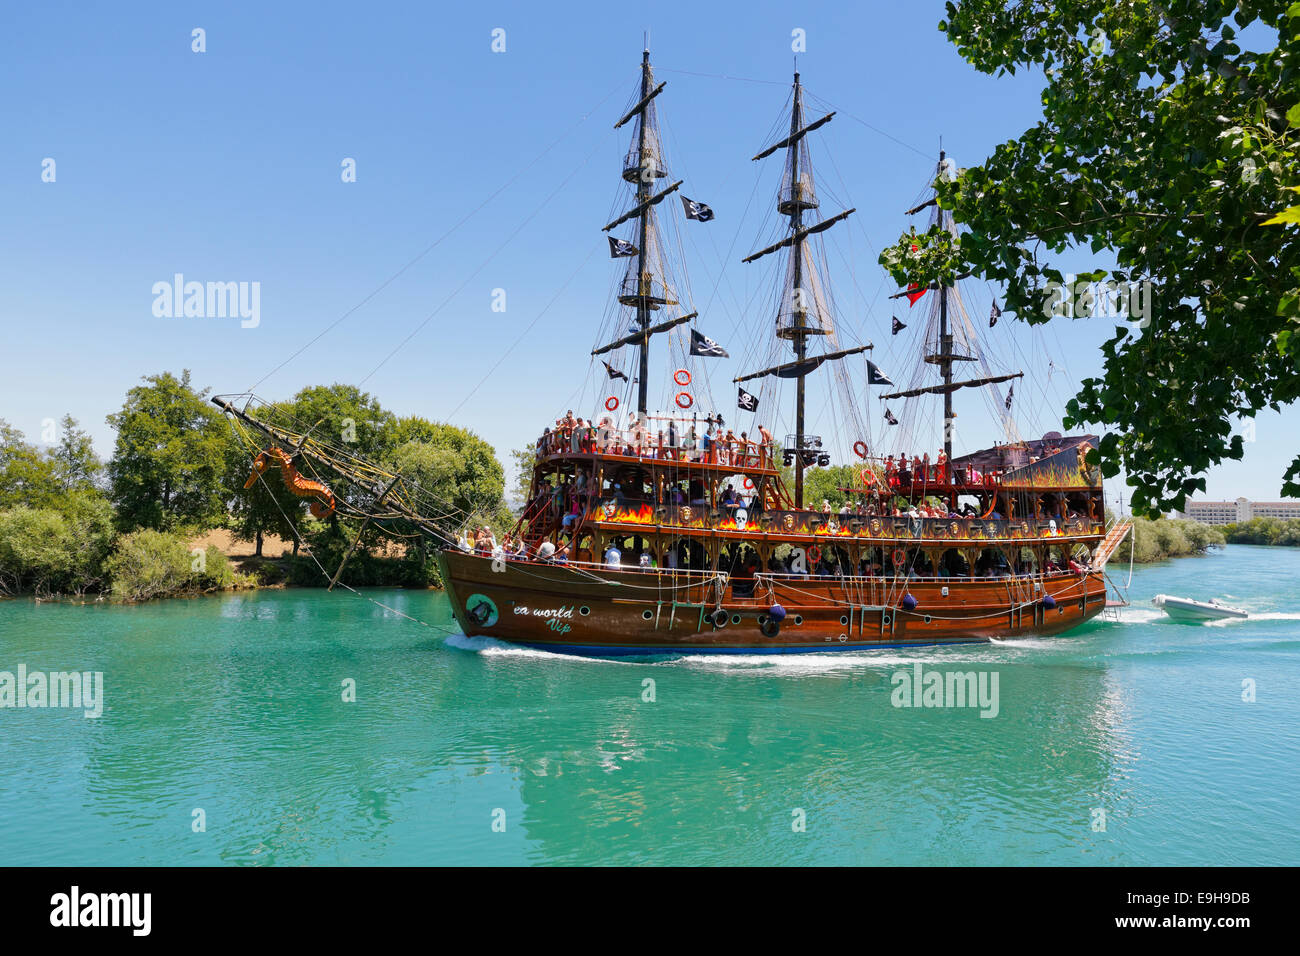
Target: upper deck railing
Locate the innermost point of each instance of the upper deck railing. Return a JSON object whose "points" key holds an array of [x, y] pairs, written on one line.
{"points": [[742, 456]]}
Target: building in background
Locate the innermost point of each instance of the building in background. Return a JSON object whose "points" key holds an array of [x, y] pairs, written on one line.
{"points": [[1243, 509]]}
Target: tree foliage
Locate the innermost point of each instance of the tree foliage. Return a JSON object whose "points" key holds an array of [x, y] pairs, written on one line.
{"points": [[1269, 531], [1169, 139], [171, 458]]}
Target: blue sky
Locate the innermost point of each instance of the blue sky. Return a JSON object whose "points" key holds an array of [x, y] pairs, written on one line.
{"points": [[225, 166]]}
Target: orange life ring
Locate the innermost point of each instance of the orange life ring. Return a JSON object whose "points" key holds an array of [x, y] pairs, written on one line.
{"points": [[814, 554], [684, 400], [611, 403], [678, 375], [860, 449], [748, 483], [899, 557]]}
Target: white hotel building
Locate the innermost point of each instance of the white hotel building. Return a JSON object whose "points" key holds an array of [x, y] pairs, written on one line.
{"points": [[1243, 509]]}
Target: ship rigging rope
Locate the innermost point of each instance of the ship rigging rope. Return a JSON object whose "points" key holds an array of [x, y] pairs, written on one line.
{"points": [[464, 219], [484, 264]]}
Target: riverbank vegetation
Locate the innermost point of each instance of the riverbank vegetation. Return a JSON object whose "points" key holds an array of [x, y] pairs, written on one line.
{"points": [[74, 525], [1270, 531], [1164, 538]]}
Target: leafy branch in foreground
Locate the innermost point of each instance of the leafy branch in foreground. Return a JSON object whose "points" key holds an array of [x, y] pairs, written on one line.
{"points": [[1167, 142]]}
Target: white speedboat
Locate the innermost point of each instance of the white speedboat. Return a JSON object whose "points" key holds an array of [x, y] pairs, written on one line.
{"points": [[1194, 612]]}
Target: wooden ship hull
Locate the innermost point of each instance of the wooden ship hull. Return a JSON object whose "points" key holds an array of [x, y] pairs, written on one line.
{"points": [[596, 611]]}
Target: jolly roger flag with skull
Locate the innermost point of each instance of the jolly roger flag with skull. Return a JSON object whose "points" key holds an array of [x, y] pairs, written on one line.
{"points": [[889, 417], [703, 345], [898, 326], [875, 376], [696, 210], [746, 402], [995, 314], [613, 372], [621, 247], [1010, 392]]}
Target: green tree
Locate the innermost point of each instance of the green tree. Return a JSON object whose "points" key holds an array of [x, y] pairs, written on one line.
{"points": [[171, 457], [1169, 140], [26, 476], [76, 466]]}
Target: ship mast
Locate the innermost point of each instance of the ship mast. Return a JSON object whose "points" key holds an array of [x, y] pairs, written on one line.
{"points": [[642, 167], [799, 333], [642, 194], [945, 356], [793, 202], [945, 349]]}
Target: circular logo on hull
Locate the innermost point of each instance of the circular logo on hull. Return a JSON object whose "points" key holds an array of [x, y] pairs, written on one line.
{"points": [[481, 610]]}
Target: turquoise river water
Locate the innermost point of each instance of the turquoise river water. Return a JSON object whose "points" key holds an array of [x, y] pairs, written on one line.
{"points": [[225, 738]]}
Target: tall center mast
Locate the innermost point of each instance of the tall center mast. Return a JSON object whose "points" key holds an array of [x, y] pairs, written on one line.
{"points": [[797, 195]]}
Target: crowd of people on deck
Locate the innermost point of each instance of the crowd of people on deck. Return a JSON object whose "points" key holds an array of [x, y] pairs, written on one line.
{"points": [[705, 441]]}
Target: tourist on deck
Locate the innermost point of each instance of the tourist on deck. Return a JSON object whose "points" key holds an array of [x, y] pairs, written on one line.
{"points": [[575, 512], [672, 438], [613, 556], [767, 441], [645, 560]]}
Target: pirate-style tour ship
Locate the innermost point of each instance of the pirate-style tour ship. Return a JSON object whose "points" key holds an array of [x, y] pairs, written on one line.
{"points": [[666, 534]]}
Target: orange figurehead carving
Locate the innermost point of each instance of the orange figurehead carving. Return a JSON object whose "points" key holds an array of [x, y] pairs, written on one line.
{"points": [[322, 507]]}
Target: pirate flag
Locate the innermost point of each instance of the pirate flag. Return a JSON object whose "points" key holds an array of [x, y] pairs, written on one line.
{"points": [[746, 402], [696, 210], [875, 376], [898, 326], [703, 345], [1010, 392], [613, 372], [995, 314], [620, 247], [889, 417]]}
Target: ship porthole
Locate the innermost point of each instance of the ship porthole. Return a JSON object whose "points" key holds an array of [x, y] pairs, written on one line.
{"points": [[762, 619], [1060, 610], [646, 615], [735, 619], [927, 619], [886, 619], [844, 619], [584, 610], [798, 619]]}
